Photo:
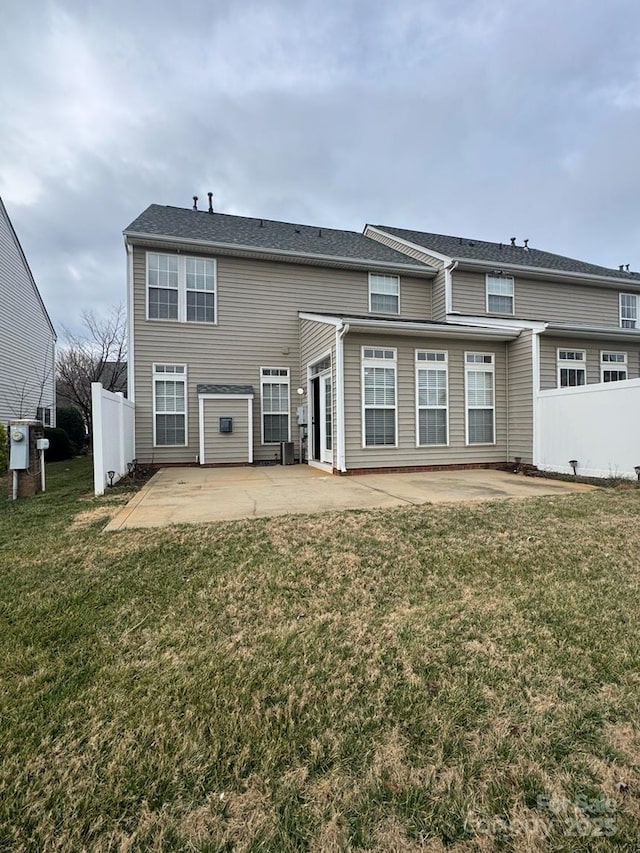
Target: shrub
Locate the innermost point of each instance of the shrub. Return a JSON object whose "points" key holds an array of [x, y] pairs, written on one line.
{"points": [[4, 449], [59, 445], [70, 420]]}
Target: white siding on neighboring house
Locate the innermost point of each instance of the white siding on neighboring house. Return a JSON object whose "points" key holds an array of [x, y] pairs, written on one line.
{"points": [[27, 338]]}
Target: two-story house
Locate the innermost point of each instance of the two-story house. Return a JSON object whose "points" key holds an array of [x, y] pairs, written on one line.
{"points": [[27, 336], [393, 348]]}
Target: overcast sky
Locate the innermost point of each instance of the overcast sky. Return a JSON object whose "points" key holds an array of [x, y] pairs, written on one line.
{"points": [[481, 118]]}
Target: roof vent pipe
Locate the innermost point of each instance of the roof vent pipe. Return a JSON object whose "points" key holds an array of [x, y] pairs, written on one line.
{"points": [[210, 202], [195, 202], [621, 267], [627, 267], [513, 241], [526, 245]]}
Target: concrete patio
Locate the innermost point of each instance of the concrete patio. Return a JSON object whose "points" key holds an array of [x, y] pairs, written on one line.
{"points": [[193, 495]]}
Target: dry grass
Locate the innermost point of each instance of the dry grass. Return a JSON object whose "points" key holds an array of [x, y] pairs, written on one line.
{"points": [[437, 678]]}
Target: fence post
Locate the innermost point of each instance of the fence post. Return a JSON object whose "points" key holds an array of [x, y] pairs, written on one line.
{"points": [[98, 459]]}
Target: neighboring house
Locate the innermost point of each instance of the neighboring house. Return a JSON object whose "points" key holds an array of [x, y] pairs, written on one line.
{"points": [[27, 337], [403, 349]]}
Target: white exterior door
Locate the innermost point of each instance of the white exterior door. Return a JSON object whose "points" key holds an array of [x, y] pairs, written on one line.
{"points": [[326, 419]]}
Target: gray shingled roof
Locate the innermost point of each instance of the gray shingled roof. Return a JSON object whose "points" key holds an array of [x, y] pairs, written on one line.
{"points": [[224, 389], [222, 228], [503, 253]]}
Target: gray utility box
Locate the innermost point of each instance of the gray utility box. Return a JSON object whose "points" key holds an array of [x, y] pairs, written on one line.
{"points": [[286, 453]]}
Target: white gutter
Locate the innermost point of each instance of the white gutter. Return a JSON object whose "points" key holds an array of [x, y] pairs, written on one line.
{"points": [[341, 455], [434, 329], [549, 273], [368, 263], [131, 385], [596, 332]]}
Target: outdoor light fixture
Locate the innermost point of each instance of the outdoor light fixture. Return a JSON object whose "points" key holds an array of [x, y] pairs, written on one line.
{"points": [[574, 465], [300, 392], [636, 468], [518, 461], [130, 467], [111, 475]]}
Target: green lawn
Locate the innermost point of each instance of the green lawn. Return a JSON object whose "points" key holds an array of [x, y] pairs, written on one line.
{"points": [[445, 677]]}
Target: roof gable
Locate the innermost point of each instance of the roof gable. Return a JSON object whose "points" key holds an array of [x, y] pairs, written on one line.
{"points": [[25, 264]]}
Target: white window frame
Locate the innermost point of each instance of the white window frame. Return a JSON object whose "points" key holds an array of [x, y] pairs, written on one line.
{"points": [[479, 367], [387, 357], [436, 363], [173, 375], [634, 320], [618, 364], [502, 278], [43, 414], [372, 292], [182, 290], [278, 379], [571, 363]]}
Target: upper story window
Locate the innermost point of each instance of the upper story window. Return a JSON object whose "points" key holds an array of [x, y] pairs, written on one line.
{"points": [[479, 377], [500, 297], [379, 421], [613, 366], [384, 293], [629, 311], [572, 368], [181, 288]]}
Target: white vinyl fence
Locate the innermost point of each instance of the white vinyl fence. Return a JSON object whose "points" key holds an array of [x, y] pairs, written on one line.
{"points": [[596, 425], [113, 435]]}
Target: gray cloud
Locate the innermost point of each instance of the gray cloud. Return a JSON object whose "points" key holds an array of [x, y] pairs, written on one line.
{"points": [[487, 119]]}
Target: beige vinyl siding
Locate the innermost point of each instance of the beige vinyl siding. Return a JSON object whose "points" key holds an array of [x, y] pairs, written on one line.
{"points": [[226, 447], [27, 343], [549, 358], [411, 251], [407, 454], [258, 304], [520, 396], [579, 304], [440, 296]]}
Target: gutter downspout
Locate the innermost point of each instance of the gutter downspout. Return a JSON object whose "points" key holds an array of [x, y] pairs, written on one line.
{"points": [[341, 331], [131, 380], [448, 287]]}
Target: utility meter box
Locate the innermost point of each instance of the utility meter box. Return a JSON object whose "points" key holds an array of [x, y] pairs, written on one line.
{"points": [[42, 444], [25, 458], [226, 425], [19, 447]]}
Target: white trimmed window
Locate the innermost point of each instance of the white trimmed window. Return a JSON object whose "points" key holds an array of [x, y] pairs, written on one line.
{"points": [[379, 393], [572, 368], [479, 370], [181, 288], [500, 289], [274, 395], [431, 397], [613, 366], [43, 413], [384, 294], [169, 405], [629, 311]]}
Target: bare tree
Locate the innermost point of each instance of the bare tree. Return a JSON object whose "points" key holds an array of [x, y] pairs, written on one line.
{"points": [[99, 355]]}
